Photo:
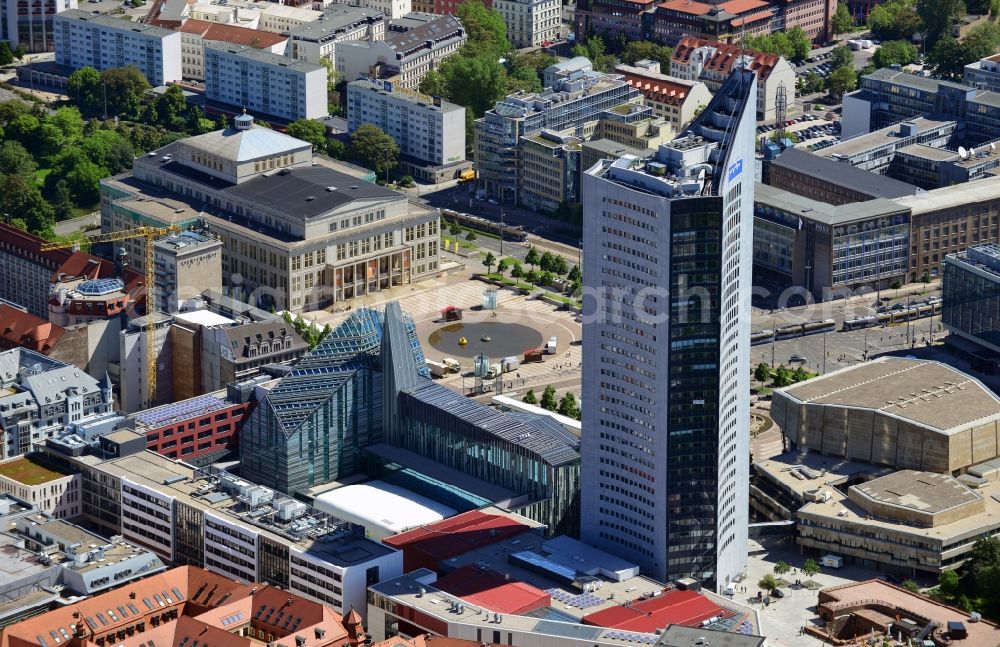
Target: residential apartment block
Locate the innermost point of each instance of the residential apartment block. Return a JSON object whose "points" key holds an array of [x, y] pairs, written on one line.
{"points": [[267, 83], [194, 33], [295, 235], [671, 98], [28, 23], [426, 128], [413, 46], [573, 107], [316, 40], [283, 18], [530, 23], [29, 270], [663, 477], [711, 62], [101, 41], [670, 22], [41, 397]]}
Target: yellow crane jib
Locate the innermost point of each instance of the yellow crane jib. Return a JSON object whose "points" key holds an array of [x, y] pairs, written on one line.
{"points": [[150, 234]]}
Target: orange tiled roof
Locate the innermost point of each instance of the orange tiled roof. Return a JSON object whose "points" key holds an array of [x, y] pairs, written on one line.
{"points": [[687, 6], [231, 33], [764, 15], [737, 7], [19, 328], [725, 56], [663, 89], [183, 602]]}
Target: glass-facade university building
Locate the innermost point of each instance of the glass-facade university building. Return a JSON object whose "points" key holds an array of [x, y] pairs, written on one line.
{"points": [[367, 384]]}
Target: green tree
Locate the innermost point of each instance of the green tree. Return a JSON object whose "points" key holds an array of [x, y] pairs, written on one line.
{"points": [[474, 82], [767, 583], [637, 50], [21, 199], [485, 29], [545, 278], [377, 149], [947, 57], [538, 60], [569, 407], [842, 81], [62, 201], [559, 266], [549, 398], [530, 397], [575, 274], [470, 236], [531, 277], [455, 229], [911, 586], [594, 49], [110, 150], [841, 55], [782, 377], [937, 16], [800, 375], [489, 261], [981, 41], [49, 140], [948, 586], [892, 52], [523, 79], [24, 128], [810, 568], [502, 266], [6, 56], [799, 42], [762, 373], [516, 272], [545, 263], [434, 84], [309, 130], [82, 176], [15, 159], [781, 568], [125, 84], [84, 87], [531, 257], [19, 52], [336, 149], [69, 121], [842, 21]]}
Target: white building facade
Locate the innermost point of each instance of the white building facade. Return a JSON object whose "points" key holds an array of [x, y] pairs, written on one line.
{"points": [[665, 431], [29, 22], [428, 129], [530, 22], [267, 83], [317, 40], [102, 42]]}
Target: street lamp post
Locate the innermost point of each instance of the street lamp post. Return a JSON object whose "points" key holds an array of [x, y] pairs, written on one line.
{"points": [[501, 233]]}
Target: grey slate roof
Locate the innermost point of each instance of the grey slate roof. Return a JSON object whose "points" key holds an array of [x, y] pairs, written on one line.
{"points": [[842, 173]]}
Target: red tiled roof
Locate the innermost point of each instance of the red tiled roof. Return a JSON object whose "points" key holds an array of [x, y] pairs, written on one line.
{"points": [[25, 245], [231, 33], [741, 6], [491, 591], [185, 602], [687, 6], [764, 15], [19, 328], [673, 607], [663, 88], [725, 56], [428, 545]]}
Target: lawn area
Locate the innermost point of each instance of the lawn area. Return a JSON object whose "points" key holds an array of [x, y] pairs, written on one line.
{"points": [[40, 176], [28, 472]]}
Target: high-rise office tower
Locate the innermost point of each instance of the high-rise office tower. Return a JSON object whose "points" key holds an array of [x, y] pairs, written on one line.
{"points": [[666, 339]]}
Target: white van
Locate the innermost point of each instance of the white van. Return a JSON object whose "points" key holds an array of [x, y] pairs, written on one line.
{"points": [[831, 561]]}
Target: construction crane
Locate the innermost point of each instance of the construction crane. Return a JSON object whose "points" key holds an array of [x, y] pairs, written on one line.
{"points": [[150, 234]]}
